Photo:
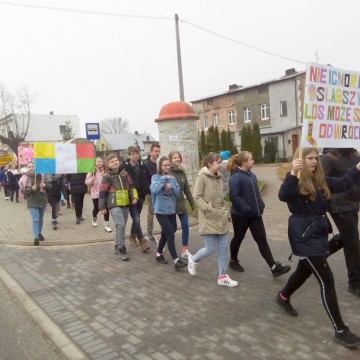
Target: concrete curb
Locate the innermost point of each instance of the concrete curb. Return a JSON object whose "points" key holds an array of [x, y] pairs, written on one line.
{"points": [[56, 335]]}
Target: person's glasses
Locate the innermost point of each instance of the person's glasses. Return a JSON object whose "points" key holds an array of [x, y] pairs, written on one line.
{"points": [[134, 153]]}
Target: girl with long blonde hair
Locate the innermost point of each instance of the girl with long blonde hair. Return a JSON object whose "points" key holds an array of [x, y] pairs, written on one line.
{"points": [[308, 229]]}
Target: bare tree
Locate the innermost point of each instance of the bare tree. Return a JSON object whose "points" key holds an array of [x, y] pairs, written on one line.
{"points": [[114, 125], [14, 116]]}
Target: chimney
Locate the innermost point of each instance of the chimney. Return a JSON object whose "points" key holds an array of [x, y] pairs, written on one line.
{"points": [[291, 71], [234, 87], [148, 138], [136, 133]]}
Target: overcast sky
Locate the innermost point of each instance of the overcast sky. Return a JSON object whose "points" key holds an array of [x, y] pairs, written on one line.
{"points": [[99, 66]]}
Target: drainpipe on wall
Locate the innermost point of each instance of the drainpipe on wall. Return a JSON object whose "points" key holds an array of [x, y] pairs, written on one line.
{"points": [[297, 104], [283, 136]]}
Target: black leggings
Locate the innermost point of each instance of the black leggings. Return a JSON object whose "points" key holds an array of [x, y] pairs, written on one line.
{"points": [[319, 267], [168, 229], [14, 192], [79, 203], [54, 210], [6, 190], [257, 229], [96, 209]]}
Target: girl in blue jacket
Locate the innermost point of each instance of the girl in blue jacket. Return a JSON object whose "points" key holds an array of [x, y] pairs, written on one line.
{"points": [[307, 198], [164, 191]]}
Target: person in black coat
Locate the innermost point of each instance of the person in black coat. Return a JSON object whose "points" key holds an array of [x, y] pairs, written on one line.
{"points": [[344, 209], [247, 207], [307, 199], [54, 196], [13, 176], [132, 166], [78, 189], [4, 181], [148, 169]]}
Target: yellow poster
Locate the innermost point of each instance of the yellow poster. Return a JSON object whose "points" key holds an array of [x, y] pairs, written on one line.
{"points": [[5, 159]]}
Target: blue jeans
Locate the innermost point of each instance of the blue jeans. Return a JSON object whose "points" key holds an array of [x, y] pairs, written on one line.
{"points": [[135, 211], [37, 216], [184, 221], [168, 229], [213, 241], [120, 216]]}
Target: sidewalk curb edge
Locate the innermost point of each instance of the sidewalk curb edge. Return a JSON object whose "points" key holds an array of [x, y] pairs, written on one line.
{"points": [[56, 335]]}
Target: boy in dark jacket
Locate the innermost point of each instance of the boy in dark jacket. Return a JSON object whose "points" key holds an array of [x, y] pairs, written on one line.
{"points": [[149, 169], [117, 191], [132, 166]]}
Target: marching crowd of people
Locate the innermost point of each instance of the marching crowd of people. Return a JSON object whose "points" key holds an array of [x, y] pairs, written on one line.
{"points": [[314, 186]]}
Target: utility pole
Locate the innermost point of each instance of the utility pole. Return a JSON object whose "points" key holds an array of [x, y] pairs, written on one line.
{"points": [[181, 83]]}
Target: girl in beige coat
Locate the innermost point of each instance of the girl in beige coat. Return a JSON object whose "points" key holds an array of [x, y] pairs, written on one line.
{"points": [[214, 218]]}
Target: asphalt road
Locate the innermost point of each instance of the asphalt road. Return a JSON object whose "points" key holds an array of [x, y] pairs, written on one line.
{"points": [[20, 339]]}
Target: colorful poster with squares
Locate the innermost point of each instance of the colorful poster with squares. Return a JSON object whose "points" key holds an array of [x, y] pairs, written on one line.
{"points": [[60, 158]]}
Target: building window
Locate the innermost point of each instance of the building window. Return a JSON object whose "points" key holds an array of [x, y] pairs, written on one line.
{"points": [[216, 119], [62, 129], [247, 114], [283, 108], [263, 89], [206, 121], [210, 101], [231, 117], [265, 111]]}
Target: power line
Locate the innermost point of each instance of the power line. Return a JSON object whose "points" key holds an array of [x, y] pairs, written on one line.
{"points": [[88, 12], [241, 43]]}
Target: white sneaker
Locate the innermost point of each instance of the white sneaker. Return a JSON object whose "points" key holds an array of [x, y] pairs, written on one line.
{"points": [[157, 239], [93, 221], [192, 266], [227, 282], [108, 228], [185, 254]]}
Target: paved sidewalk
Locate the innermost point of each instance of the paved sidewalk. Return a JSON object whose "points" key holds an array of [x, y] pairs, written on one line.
{"points": [[15, 226], [143, 310]]}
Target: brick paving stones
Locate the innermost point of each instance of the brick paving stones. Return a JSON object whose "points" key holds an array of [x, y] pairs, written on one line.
{"points": [[143, 310]]}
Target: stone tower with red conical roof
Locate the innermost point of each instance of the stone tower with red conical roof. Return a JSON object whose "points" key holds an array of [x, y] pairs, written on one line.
{"points": [[177, 124]]}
